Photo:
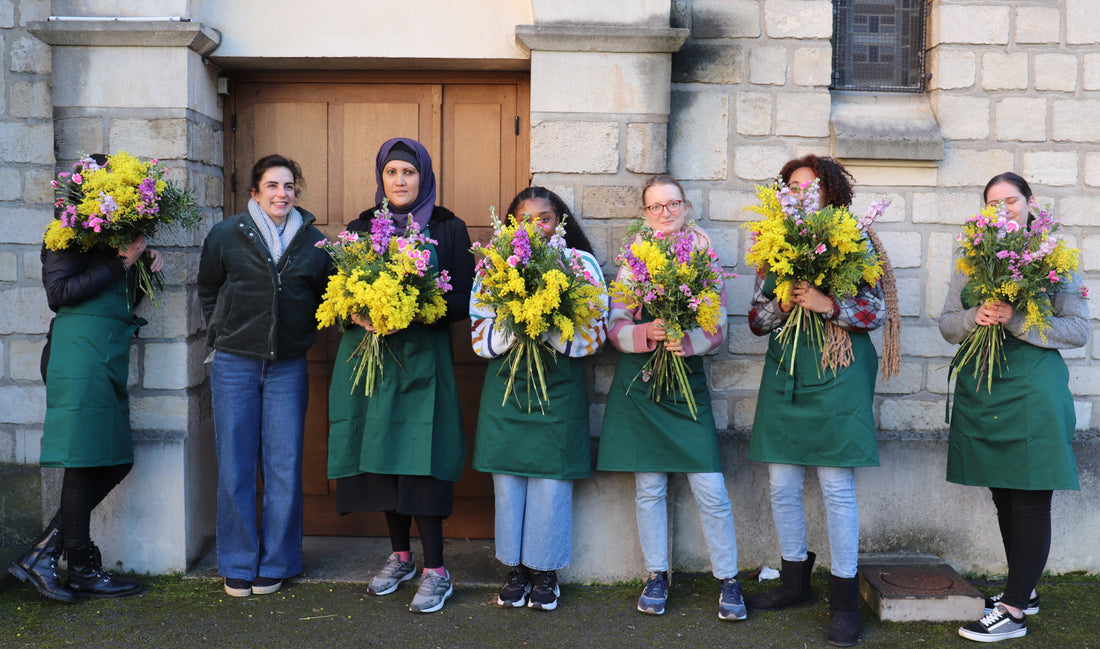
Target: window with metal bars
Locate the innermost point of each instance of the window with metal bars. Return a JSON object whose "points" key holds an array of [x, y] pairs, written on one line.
{"points": [[878, 45]]}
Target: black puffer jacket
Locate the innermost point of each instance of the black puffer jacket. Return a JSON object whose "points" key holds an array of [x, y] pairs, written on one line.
{"points": [[252, 307]]}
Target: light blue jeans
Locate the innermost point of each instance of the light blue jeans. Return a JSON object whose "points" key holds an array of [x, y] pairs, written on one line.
{"points": [[838, 488], [534, 521], [715, 510], [259, 421]]}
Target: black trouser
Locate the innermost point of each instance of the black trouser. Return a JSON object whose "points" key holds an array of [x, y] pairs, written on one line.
{"points": [[82, 489], [1024, 519], [431, 535]]}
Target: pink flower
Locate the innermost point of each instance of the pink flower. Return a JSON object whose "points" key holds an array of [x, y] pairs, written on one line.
{"points": [[1053, 276], [1012, 226], [1085, 292], [513, 260], [77, 178], [820, 249]]}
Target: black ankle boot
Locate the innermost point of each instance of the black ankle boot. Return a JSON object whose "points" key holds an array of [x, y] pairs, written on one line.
{"points": [[88, 579], [794, 589], [39, 566], [844, 621]]}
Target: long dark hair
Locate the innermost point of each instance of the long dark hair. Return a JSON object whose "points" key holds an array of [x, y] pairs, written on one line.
{"points": [[834, 181], [574, 235], [272, 161]]}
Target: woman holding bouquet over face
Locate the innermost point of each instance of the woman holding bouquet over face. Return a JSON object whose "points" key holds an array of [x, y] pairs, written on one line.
{"points": [[401, 449], [1014, 435], [651, 433], [536, 453], [818, 413], [87, 427], [260, 280]]}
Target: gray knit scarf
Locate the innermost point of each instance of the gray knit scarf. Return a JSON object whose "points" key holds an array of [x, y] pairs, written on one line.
{"points": [[276, 242]]}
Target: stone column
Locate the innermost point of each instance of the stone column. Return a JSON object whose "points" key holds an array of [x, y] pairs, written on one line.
{"points": [[144, 86]]}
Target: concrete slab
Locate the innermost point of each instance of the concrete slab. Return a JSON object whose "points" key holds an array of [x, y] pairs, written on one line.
{"points": [[911, 587]]}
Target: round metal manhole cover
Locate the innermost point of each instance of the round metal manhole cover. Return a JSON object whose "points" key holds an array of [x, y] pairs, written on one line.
{"points": [[916, 579]]}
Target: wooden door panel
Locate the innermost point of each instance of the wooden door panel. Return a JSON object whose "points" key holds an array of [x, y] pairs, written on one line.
{"points": [[365, 127], [296, 139]]}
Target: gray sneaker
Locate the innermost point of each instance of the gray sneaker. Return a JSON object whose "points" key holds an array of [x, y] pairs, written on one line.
{"points": [[433, 592], [392, 574], [731, 605]]}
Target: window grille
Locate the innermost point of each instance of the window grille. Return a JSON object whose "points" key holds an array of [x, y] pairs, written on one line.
{"points": [[878, 45]]}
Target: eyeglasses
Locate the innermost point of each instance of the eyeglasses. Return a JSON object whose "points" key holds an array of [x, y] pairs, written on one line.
{"points": [[657, 208]]}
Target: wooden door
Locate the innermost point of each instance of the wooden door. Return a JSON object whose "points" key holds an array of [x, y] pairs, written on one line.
{"points": [[476, 131]]}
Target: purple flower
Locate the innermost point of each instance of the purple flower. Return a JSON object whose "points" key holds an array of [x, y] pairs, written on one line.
{"points": [[381, 231], [685, 243], [443, 282], [521, 246], [874, 211], [107, 205]]}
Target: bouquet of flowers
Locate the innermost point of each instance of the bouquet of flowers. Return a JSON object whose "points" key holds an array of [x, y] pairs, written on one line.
{"points": [[535, 286], [678, 284], [1015, 264], [385, 279], [798, 241], [111, 205]]}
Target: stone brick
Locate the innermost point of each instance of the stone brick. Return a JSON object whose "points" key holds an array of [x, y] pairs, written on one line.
{"points": [[31, 100], [575, 147], [611, 202], [176, 316], [938, 271], [26, 141], [1082, 410], [1038, 24], [909, 295], [768, 65], [1091, 76], [159, 412], [726, 242], [1090, 253], [630, 74], [741, 340], [1092, 169], [174, 365], [646, 147], [32, 264], [948, 208], [1075, 120], [1053, 168], [803, 114], [1004, 71], [970, 168], [721, 410], [952, 68], [911, 414], [25, 224], [155, 138], [962, 117], [1084, 380], [730, 206], [28, 54], [1021, 119], [7, 16], [11, 185], [24, 360], [1082, 27], [1056, 72], [754, 113], [736, 374], [798, 18], [77, 136], [760, 163], [28, 445], [1078, 210], [971, 24], [37, 187], [907, 381], [25, 310], [698, 133], [725, 19], [744, 411], [9, 266], [214, 191], [812, 66], [23, 404], [904, 248], [709, 62]]}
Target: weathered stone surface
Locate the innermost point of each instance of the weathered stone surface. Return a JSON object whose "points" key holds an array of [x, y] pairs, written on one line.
{"points": [[952, 68], [725, 19], [1091, 76], [909, 295], [1021, 118], [976, 24], [1082, 28], [1056, 72], [812, 66], [1053, 168], [31, 100], [802, 114], [612, 82], [904, 248], [37, 187], [574, 147], [754, 113], [760, 163], [768, 65], [708, 62], [175, 365], [698, 134], [736, 374], [1004, 71], [157, 138], [742, 341], [7, 18], [646, 147], [962, 117], [730, 206], [611, 202], [23, 404], [24, 361], [11, 184], [969, 167], [938, 272], [28, 54], [798, 18], [1092, 169], [1078, 210], [1038, 24], [1075, 120], [907, 381], [9, 267], [26, 141]]}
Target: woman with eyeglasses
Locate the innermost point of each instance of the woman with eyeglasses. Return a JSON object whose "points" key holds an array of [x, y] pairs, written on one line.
{"points": [[652, 438]]}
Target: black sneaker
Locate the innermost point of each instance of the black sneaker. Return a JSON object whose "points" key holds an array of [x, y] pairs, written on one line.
{"points": [[238, 587], [515, 589], [652, 599], [998, 625], [1032, 604], [545, 593]]}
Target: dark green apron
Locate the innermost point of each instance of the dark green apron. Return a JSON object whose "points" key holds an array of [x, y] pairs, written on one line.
{"points": [[642, 435], [554, 444], [825, 420], [1019, 435], [412, 424], [87, 420]]}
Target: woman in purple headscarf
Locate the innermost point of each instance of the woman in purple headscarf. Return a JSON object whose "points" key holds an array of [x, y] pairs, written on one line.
{"points": [[400, 450]]}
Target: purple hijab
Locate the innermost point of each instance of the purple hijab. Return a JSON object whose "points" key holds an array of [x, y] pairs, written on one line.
{"points": [[421, 208]]}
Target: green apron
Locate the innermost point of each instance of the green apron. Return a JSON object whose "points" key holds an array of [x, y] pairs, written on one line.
{"points": [[825, 420], [642, 435], [554, 444], [412, 424], [87, 420], [1020, 434]]}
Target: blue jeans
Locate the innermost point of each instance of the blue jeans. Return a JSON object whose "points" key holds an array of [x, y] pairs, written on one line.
{"points": [[259, 422], [838, 488], [710, 494], [534, 521]]}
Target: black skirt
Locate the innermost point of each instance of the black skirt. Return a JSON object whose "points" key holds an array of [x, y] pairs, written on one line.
{"points": [[409, 495]]}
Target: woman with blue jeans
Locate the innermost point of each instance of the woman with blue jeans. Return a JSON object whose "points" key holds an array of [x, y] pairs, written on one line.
{"points": [[260, 281], [535, 456], [815, 416]]}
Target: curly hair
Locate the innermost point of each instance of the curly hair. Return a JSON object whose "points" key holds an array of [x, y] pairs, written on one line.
{"points": [[835, 181], [574, 235]]}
